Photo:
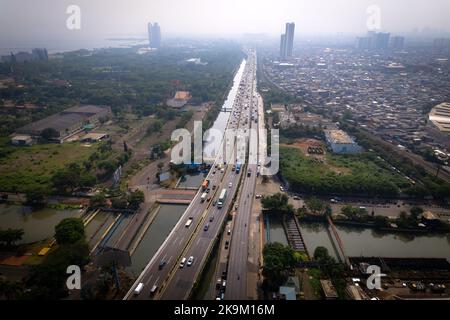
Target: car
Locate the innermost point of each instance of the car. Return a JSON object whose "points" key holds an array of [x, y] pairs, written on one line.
{"points": [[214, 187], [209, 199], [281, 188], [161, 264], [207, 190], [258, 196], [153, 290], [206, 227], [229, 231], [296, 198], [222, 170], [230, 185], [214, 203], [227, 243], [183, 261], [190, 261], [211, 218]]}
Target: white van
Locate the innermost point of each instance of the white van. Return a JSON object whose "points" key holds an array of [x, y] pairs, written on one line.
{"points": [[138, 288], [183, 261]]}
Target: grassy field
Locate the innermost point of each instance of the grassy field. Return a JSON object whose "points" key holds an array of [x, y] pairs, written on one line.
{"points": [[23, 168], [360, 174]]}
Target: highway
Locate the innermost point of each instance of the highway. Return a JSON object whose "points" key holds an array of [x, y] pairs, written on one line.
{"points": [[236, 286], [200, 248], [171, 281]]}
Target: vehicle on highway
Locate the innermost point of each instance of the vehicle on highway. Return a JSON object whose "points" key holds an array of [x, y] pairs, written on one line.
{"points": [[161, 265], [203, 197], [214, 203], [189, 222], [211, 218], [182, 262], [227, 243], [214, 187], [138, 288], [238, 167], [249, 173], [205, 184], [190, 261], [230, 185], [222, 196], [206, 227], [153, 290], [229, 231]]}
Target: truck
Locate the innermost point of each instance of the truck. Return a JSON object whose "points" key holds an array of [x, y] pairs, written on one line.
{"points": [[205, 184], [222, 197], [203, 197], [238, 167]]}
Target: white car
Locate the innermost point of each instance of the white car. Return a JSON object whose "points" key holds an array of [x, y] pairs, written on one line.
{"points": [[281, 188], [190, 261]]}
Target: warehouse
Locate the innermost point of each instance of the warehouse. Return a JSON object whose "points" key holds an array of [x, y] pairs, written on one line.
{"points": [[66, 123]]}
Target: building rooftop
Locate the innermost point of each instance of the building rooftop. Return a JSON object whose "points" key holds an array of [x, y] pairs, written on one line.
{"points": [[339, 137], [440, 116]]}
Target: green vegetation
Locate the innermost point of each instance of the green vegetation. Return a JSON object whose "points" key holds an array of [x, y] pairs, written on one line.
{"points": [[47, 280], [277, 203], [431, 185], [69, 231], [330, 269], [118, 78], [9, 237], [132, 201], [360, 174], [278, 261]]}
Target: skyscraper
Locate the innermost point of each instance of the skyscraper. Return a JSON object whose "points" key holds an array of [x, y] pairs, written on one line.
{"points": [[283, 46], [154, 35], [289, 38], [287, 41]]}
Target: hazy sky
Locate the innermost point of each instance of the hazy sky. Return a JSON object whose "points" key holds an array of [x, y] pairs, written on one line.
{"points": [[30, 19]]}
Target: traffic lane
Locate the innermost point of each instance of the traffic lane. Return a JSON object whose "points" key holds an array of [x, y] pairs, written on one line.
{"points": [[180, 235], [184, 280]]}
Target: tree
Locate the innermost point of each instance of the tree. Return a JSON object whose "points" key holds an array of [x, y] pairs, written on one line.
{"points": [[277, 203], [135, 199], [70, 231], [415, 212], [321, 254], [10, 236], [98, 200], [316, 205], [278, 260], [35, 195], [119, 203]]}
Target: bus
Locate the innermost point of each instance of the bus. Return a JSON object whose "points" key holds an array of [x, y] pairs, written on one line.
{"points": [[205, 184], [222, 197]]}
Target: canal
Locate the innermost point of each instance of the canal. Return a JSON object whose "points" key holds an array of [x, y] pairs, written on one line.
{"points": [[368, 242], [38, 224], [166, 218]]}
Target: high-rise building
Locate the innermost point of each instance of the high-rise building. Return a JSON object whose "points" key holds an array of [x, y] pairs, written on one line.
{"points": [[374, 40], [397, 42], [154, 35], [290, 27], [283, 46], [287, 41]]}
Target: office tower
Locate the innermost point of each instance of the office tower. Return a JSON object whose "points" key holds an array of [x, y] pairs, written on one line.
{"points": [[154, 35], [283, 46], [289, 38], [397, 42], [374, 40], [382, 40], [287, 41]]}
